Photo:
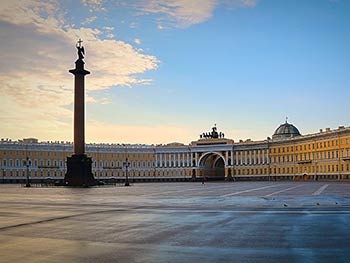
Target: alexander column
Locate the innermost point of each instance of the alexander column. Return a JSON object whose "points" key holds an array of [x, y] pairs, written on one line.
{"points": [[79, 172]]}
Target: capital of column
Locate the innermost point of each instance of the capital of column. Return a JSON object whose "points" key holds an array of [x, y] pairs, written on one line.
{"points": [[79, 68]]}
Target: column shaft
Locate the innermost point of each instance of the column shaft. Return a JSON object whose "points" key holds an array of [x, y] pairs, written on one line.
{"points": [[79, 114]]}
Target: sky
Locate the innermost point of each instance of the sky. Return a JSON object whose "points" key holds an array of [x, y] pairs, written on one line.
{"points": [[167, 70]]}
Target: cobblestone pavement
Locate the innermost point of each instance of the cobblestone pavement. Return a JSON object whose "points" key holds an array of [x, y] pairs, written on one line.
{"points": [[177, 222]]}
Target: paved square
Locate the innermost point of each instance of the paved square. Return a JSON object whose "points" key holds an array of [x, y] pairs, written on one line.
{"points": [[177, 222]]}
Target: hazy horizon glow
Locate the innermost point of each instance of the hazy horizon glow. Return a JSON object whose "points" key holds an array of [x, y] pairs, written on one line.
{"points": [[166, 70]]}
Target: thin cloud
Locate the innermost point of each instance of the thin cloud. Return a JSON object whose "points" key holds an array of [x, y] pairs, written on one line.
{"points": [[184, 13], [94, 5], [89, 20], [240, 3], [108, 28]]}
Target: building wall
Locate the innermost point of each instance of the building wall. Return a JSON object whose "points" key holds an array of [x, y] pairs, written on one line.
{"points": [[324, 155]]}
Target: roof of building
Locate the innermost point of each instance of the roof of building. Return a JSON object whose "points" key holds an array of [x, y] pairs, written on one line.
{"points": [[286, 130]]}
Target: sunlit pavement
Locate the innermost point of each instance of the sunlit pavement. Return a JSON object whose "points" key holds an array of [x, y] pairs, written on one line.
{"points": [[177, 222]]}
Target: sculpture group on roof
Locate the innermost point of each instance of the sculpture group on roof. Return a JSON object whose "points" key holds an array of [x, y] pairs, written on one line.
{"points": [[213, 134]]}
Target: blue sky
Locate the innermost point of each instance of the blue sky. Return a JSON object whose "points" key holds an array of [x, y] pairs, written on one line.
{"points": [[167, 70]]}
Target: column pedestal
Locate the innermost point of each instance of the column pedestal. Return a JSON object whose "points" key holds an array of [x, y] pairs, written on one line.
{"points": [[79, 172]]}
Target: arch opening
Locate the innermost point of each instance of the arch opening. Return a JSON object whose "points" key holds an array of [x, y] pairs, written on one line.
{"points": [[212, 166]]}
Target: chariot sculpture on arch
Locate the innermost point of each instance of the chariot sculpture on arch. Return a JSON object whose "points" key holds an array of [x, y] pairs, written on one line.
{"points": [[214, 134]]}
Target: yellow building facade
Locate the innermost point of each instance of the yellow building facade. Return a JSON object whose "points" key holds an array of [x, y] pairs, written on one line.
{"points": [[287, 155]]}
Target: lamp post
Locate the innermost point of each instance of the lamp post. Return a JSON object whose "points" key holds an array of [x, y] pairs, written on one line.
{"points": [[268, 159], [154, 164], [126, 164], [27, 172]]}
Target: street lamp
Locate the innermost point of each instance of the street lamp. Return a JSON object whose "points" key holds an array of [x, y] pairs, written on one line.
{"points": [[155, 164], [268, 159], [27, 172], [126, 164]]}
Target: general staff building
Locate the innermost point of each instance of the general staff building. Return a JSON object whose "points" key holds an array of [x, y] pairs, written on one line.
{"points": [[286, 155]]}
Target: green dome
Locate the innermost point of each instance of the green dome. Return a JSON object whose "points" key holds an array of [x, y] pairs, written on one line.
{"points": [[286, 130]]}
